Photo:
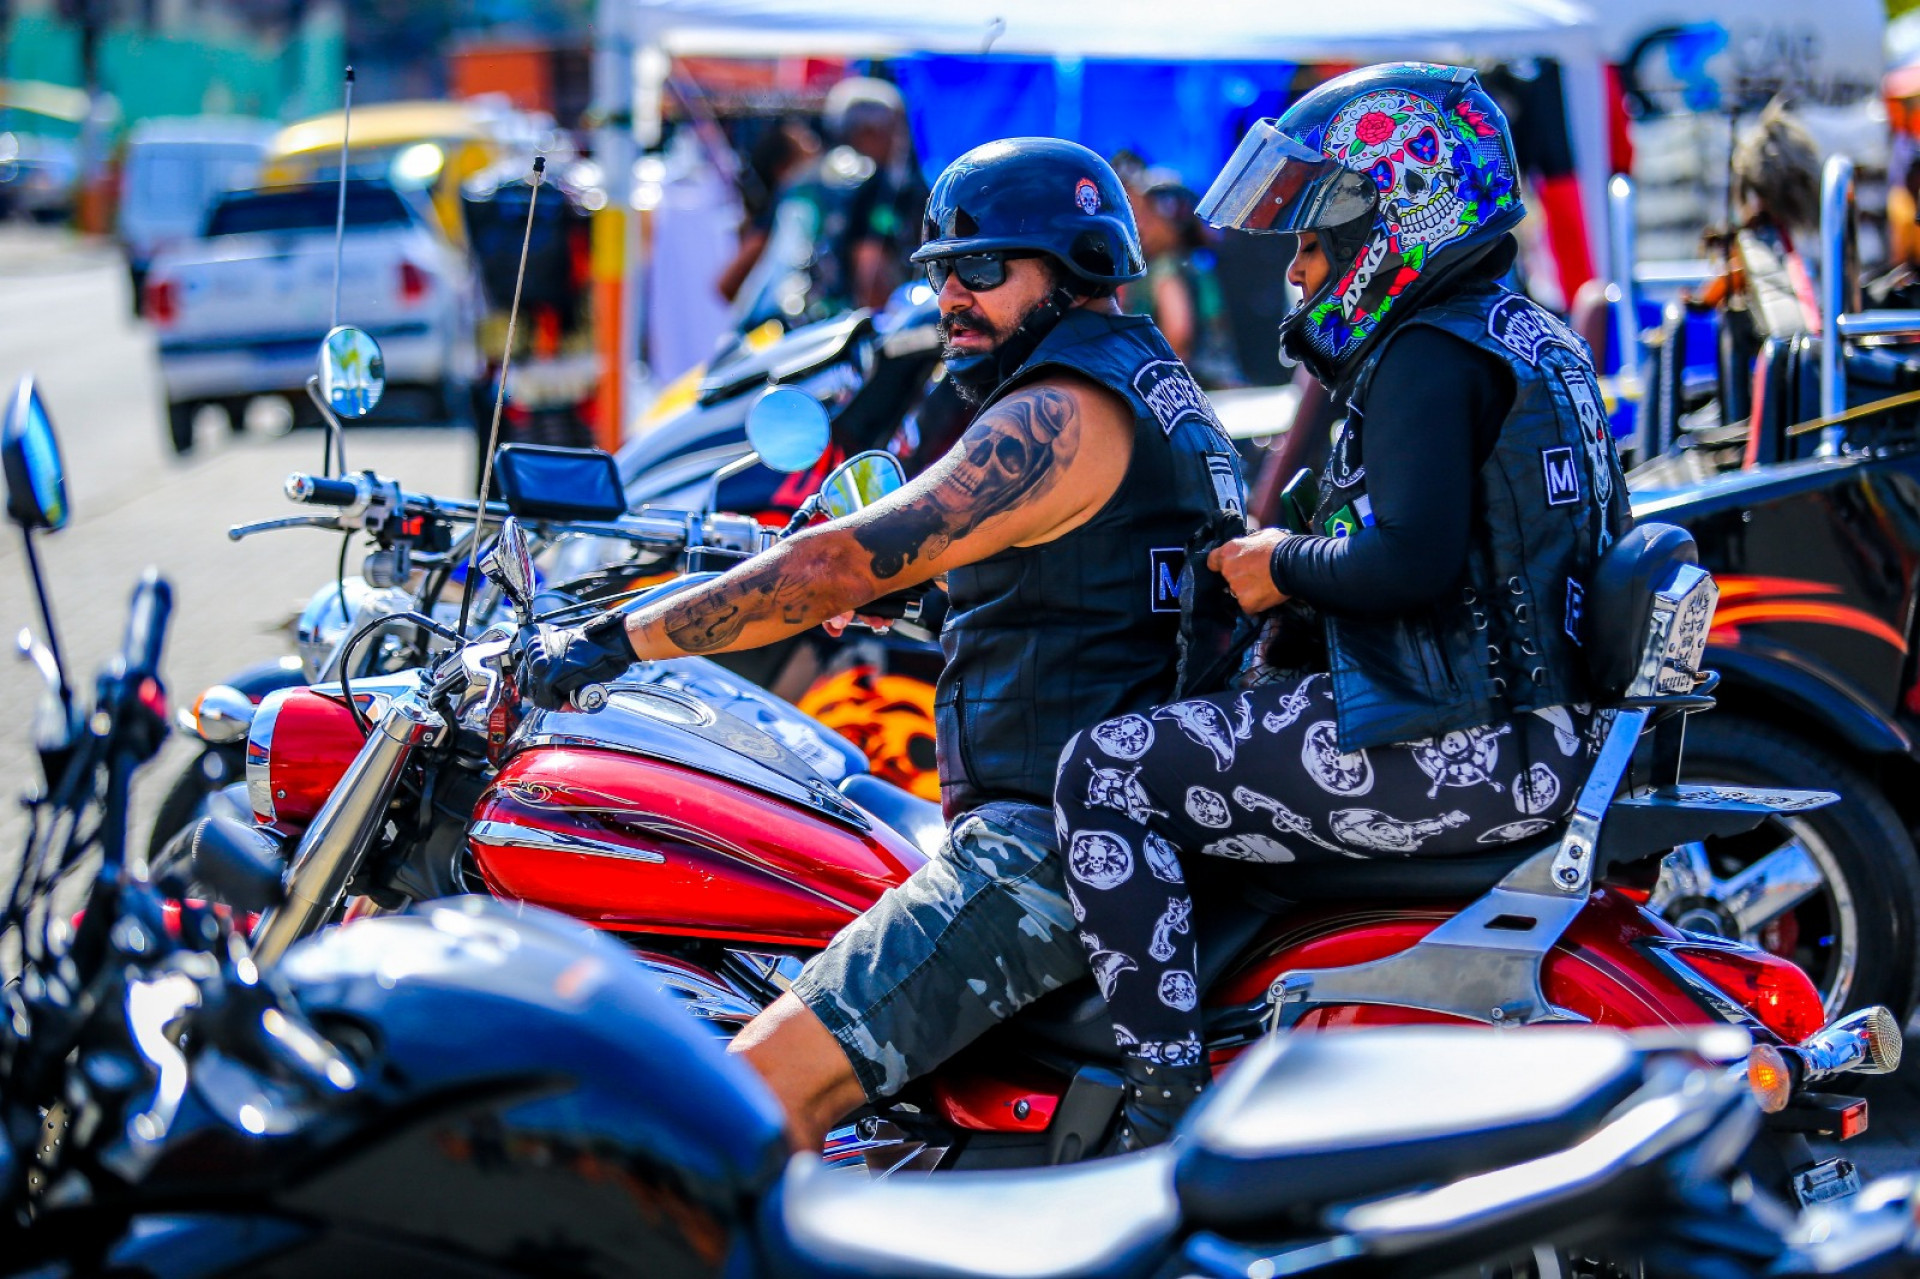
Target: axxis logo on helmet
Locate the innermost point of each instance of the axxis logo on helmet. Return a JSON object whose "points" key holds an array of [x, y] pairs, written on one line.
{"points": [[1086, 194]]}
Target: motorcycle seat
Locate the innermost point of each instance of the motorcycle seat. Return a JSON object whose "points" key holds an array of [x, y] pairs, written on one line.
{"points": [[918, 821], [1111, 1218], [1234, 900], [1305, 1121]]}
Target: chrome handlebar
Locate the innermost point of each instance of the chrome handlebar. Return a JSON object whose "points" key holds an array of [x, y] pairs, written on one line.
{"points": [[368, 501]]}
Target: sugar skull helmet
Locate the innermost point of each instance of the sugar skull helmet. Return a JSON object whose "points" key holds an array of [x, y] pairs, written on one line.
{"points": [[1401, 168]]}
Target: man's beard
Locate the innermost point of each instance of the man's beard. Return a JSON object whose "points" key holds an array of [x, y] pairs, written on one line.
{"points": [[976, 374]]}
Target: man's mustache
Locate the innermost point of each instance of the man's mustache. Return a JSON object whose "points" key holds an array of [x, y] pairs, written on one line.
{"points": [[962, 322]]}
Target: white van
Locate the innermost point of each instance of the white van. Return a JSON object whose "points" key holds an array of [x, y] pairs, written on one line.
{"points": [[174, 169]]}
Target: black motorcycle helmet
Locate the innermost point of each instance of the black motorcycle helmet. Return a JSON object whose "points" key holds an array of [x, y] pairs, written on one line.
{"points": [[1043, 195]]}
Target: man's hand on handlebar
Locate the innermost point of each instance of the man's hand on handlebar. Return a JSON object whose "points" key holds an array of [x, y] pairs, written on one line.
{"points": [[561, 660], [837, 626]]}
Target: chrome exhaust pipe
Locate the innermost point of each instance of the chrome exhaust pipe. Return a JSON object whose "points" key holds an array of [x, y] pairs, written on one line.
{"points": [[1864, 1043]]}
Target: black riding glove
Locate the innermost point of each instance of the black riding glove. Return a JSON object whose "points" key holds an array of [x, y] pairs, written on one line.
{"points": [[563, 659]]}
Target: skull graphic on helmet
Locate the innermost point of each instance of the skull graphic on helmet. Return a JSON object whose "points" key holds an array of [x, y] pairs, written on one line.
{"points": [[1402, 142]]}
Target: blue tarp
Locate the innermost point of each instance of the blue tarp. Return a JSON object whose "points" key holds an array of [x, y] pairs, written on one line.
{"points": [[1182, 116]]}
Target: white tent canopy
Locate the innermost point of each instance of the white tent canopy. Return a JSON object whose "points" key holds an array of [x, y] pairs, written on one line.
{"points": [[1282, 30], [1166, 30]]}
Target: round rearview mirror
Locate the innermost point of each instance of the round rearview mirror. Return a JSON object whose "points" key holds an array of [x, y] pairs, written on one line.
{"points": [[861, 480], [510, 563], [36, 480], [353, 374], [788, 428]]}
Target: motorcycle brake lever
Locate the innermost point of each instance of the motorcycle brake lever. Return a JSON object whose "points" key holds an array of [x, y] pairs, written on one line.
{"points": [[239, 531]]}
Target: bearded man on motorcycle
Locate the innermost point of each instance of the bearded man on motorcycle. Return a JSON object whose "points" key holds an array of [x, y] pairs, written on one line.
{"points": [[1423, 691], [1061, 521]]}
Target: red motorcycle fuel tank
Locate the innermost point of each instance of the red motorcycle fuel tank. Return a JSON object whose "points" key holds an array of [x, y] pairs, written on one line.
{"points": [[640, 845]]}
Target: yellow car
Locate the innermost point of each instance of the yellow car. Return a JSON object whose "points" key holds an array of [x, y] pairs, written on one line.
{"points": [[421, 146]]}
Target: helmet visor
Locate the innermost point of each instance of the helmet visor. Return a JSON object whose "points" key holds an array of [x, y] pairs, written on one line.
{"points": [[1274, 183]]}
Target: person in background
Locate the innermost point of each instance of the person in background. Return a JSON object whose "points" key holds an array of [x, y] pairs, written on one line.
{"points": [[1768, 287], [1180, 291], [882, 224], [783, 156]]}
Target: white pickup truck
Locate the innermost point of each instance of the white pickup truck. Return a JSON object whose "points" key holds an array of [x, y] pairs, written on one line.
{"points": [[240, 311]]}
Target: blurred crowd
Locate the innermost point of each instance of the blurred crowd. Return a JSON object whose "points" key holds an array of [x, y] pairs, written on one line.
{"points": [[831, 211]]}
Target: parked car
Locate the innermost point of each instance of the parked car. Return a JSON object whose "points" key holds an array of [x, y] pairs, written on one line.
{"points": [[240, 310], [39, 176], [173, 170]]}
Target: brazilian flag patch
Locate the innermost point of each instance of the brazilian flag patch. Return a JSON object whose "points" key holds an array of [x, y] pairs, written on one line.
{"points": [[1352, 517]]}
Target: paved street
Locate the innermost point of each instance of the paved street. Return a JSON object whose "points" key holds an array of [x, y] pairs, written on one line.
{"points": [[64, 318]]}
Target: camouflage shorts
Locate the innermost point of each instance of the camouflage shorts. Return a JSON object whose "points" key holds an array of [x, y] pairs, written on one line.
{"points": [[975, 935]]}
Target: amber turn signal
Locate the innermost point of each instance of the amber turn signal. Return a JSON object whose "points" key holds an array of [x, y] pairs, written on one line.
{"points": [[1770, 1078]]}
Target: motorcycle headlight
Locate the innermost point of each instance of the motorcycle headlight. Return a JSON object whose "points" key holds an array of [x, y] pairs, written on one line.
{"points": [[324, 622]]}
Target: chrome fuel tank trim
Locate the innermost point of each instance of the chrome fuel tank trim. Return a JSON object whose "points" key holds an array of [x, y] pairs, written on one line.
{"points": [[506, 835], [680, 727]]}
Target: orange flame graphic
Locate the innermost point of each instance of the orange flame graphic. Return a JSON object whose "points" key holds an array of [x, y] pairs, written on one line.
{"points": [[1759, 600]]}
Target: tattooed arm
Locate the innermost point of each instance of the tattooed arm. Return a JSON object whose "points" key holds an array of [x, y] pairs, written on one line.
{"points": [[1034, 466]]}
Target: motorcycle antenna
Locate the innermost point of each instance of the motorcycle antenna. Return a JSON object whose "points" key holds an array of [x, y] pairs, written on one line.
{"points": [[340, 204], [499, 399], [334, 447]]}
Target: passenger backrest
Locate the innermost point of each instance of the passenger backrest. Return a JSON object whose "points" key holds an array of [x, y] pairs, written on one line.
{"points": [[1620, 603]]}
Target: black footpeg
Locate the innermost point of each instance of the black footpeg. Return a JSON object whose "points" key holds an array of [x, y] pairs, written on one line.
{"points": [[1084, 1114]]}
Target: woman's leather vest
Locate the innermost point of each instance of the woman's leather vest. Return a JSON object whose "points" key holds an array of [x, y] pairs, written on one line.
{"points": [[1550, 498], [1043, 641]]}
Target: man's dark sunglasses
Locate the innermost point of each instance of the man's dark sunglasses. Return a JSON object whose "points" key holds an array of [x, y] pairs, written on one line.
{"points": [[977, 271]]}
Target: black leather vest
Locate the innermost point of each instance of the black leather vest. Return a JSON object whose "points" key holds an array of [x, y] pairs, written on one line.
{"points": [[1548, 501], [1043, 641]]}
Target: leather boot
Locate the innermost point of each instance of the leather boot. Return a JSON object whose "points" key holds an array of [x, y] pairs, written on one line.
{"points": [[1156, 1097]]}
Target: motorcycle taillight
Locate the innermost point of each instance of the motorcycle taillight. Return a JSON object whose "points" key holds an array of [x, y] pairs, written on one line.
{"points": [[1774, 990]]}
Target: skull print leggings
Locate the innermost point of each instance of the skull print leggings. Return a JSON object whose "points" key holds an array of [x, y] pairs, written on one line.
{"points": [[1258, 776]]}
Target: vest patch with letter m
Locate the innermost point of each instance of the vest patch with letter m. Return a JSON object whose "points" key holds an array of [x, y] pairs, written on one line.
{"points": [[1561, 470], [1172, 394], [1165, 563]]}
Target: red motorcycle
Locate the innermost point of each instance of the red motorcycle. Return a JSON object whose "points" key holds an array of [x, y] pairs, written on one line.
{"points": [[723, 860]]}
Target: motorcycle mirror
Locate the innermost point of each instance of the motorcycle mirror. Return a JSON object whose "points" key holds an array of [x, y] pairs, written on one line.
{"points": [[788, 428], [353, 373], [36, 479], [240, 863], [510, 563], [860, 481]]}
